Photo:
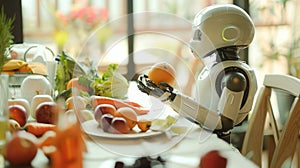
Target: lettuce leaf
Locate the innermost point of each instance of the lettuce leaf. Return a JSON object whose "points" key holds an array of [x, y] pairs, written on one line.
{"points": [[111, 84], [67, 68]]}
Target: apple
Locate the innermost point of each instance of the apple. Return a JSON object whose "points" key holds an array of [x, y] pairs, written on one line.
{"points": [[119, 126], [47, 112], [102, 109], [76, 102], [21, 148], [38, 99], [106, 121], [18, 113], [20, 101], [213, 159]]}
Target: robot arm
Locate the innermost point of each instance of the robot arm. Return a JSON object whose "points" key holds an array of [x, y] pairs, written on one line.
{"points": [[234, 84], [182, 104], [190, 108], [231, 99]]}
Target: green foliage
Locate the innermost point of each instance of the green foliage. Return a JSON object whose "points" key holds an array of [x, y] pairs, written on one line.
{"points": [[110, 71], [6, 37], [110, 84], [67, 68]]}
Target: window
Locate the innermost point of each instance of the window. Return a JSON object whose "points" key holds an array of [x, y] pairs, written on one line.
{"points": [[162, 25], [162, 31], [275, 48]]}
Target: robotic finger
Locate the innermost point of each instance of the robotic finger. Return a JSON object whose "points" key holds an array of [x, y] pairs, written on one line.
{"points": [[161, 91], [165, 87], [142, 84], [147, 86]]}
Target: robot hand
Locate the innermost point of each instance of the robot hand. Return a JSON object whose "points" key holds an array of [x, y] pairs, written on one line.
{"points": [[162, 91]]}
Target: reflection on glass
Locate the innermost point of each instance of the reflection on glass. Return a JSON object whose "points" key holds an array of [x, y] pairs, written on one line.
{"points": [[3, 110]]}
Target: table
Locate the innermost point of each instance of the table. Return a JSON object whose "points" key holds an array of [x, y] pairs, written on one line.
{"points": [[186, 153], [179, 150]]}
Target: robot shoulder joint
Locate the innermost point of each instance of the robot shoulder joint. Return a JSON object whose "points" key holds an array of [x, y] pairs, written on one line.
{"points": [[235, 81]]}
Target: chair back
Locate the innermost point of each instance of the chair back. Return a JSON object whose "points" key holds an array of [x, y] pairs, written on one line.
{"points": [[285, 137]]}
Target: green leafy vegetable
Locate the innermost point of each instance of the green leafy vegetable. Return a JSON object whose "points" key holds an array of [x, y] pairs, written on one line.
{"points": [[67, 68], [111, 84]]}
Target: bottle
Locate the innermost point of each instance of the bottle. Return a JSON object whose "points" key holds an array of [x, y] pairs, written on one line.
{"points": [[4, 113], [69, 144]]}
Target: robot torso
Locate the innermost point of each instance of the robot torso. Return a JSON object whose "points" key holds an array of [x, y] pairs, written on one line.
{"points": [[209, 86]]}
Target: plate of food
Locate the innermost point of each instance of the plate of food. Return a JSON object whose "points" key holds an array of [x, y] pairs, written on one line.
{"points": [[92, 127], [123, 120]]}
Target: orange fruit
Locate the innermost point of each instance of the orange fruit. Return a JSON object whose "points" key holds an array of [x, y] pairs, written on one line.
{"points": [[162, 72], [73, 83], [128, 114], [144, 125]]}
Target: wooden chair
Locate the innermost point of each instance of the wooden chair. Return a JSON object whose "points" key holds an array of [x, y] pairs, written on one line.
{"points": [[286, 138]]}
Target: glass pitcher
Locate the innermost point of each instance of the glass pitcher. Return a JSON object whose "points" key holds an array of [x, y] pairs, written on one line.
{"points": [[4, 114]]}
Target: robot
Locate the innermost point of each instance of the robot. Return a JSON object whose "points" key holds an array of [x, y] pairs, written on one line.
{"points": [[226, 86]]}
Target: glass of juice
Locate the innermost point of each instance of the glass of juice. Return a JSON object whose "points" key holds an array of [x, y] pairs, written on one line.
{"points": [[4, 114]]}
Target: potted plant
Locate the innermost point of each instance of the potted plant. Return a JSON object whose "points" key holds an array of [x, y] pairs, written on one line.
{"points": [[5, 40], [6, 37]]}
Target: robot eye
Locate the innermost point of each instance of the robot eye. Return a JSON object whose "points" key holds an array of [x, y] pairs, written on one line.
{"points": [[197, 35]]}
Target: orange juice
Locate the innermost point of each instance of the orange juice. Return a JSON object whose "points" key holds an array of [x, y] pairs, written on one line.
{"points": [[3, 132]]}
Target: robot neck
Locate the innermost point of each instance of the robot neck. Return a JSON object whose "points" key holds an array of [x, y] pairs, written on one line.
{"points": [[227, 53]]}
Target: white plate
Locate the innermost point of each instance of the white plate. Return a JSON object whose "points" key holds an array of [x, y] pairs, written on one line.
{"points": [[91, 127]]}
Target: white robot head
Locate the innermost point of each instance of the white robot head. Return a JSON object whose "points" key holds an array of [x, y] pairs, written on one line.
{"points": [[220, 26]]}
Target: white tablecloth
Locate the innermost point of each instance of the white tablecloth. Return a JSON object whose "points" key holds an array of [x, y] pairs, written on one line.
{"points": [[184, 150], [179, 151]]}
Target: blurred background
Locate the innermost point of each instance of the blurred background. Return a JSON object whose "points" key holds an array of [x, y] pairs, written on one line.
{"points": [[99, 32], [138, 33]]}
